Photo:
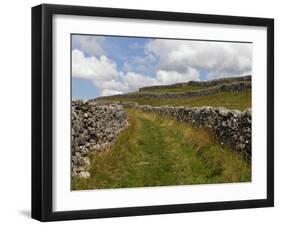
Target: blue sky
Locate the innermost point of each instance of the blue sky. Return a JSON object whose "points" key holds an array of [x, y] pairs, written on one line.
{"points": [[107, 65]]}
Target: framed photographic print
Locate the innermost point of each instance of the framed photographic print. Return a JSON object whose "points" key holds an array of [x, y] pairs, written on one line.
{"points": [[145, 112]]}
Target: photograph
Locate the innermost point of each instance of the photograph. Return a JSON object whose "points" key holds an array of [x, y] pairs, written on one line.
{"points": [[152, 111], [141, 112]]}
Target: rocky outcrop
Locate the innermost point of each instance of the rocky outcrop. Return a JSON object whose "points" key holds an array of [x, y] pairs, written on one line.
{"points": [[230, 127], [215, 82], [231, 87], [94, 128]]}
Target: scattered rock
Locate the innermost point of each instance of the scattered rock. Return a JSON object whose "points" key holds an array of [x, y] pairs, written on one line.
{"points": [[84, 174]]}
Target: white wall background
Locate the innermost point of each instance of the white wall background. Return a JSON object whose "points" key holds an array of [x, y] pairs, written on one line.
{"points": [[15, 120]]}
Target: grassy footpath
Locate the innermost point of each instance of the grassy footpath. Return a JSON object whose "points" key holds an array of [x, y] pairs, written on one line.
{"points": [[156, 151], [230, 100]]}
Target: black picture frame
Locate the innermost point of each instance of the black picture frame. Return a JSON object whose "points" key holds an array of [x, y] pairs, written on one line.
{"points": [[42, 111]]}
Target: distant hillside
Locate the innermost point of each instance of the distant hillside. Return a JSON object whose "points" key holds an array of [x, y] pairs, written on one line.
{"points": [[232, 93], [196, 85]]}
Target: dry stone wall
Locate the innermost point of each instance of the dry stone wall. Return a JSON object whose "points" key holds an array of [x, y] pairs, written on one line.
{"points": [[231, 127], [94, 128]]}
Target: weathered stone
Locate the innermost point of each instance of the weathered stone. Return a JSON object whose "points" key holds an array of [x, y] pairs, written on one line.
{"points": [[94, 128], [84, 174]]}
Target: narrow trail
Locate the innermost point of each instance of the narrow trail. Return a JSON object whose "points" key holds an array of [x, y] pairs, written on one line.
{"points": [[156, 151]]}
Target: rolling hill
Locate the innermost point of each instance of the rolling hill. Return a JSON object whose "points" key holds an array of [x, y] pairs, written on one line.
{"points": [[231, 93]]}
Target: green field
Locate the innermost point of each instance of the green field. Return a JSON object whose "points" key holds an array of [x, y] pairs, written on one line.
{"points": [[158, 151], [230, 100]]}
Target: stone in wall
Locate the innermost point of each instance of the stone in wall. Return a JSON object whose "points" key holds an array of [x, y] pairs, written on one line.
{"points": [[94, 128]]}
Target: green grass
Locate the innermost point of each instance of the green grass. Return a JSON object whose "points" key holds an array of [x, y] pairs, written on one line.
{"points": [[188, 88], [158, 151], [230, 100]]}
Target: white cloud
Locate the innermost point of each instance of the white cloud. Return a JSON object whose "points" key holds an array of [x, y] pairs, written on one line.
{"points": [[108, 92], [170, 77], [109, 81], [134, 81], [92, 68], [114, 85], [215, 58], [91, 45]]}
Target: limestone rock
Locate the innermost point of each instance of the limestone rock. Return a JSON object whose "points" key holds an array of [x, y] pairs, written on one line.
{"points": [[94, 128]]}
